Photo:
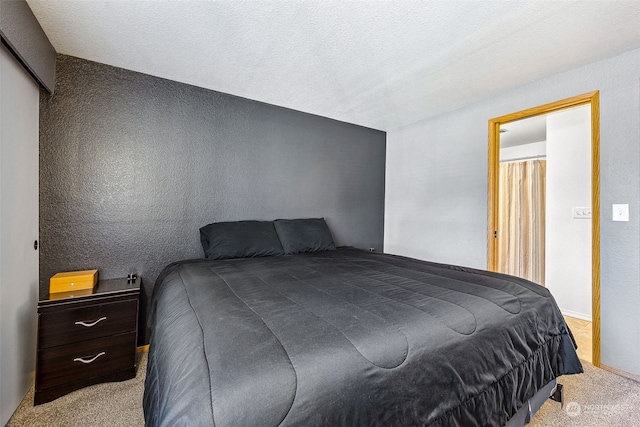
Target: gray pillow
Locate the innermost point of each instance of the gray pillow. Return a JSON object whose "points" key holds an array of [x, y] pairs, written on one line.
{"points": [[240, 239], [304, 235]]}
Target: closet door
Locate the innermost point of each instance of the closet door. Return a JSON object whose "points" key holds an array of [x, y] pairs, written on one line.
{"points": [[19, 96]]}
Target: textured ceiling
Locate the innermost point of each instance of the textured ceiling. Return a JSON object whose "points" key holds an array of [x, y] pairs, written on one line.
{"points": [[381, 64]]}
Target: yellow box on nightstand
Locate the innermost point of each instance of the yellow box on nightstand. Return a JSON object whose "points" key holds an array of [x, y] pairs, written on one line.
{"points": [[73, 281]]}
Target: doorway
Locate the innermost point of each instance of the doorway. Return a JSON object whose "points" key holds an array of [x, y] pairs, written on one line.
{"points": [[494, 227]]}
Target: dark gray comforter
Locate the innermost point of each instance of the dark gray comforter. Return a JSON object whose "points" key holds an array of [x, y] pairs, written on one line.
{"points": [[347, 337]]}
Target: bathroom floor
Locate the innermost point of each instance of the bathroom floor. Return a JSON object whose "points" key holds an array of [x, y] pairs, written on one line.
{"points": [[582, 332]]}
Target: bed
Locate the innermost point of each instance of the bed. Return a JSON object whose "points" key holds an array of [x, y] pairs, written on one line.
{"points": [[312, 335]]}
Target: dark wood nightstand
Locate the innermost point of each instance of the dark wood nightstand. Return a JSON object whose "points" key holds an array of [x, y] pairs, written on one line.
{"points": [[86, 337]]}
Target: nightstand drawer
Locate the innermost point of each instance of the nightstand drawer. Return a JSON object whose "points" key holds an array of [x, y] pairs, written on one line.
{"points": [[78, 361], [64, 326]]}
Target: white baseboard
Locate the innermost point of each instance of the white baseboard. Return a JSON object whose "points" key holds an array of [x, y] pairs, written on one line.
{"points": [[575, 314]]}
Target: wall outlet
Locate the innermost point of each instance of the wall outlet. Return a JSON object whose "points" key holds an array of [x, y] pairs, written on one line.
{"points": [[620, 212]]}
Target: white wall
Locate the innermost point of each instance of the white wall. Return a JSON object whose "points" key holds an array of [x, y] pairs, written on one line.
{"points": [[568, 240], [533, 149], [436, 191], [19, 96]]}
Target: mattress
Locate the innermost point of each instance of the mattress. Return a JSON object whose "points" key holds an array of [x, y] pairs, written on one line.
{"points": [[348, 337]]}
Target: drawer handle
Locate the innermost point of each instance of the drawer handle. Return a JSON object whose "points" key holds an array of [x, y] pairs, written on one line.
{"points": [[90, 324], [83, 360]]}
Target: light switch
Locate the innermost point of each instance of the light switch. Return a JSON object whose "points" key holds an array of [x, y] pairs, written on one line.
{"points": [[621, 212], [581, 213]]}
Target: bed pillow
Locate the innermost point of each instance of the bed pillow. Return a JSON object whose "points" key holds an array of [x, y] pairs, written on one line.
{"points": [[240, 239], [304, 235]]}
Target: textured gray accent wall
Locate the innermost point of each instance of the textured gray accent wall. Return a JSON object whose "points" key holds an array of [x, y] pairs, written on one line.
{"points": [[22, 34], [131, 166]]}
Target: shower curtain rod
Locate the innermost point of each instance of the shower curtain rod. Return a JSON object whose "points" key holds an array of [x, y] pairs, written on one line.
{"points": [[515, 159]]}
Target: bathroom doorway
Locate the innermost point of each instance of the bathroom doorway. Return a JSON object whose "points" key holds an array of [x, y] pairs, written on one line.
{"points": [[528, 242]]}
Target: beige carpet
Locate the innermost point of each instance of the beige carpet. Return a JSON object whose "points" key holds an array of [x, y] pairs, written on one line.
{"points": [[116, 404], [596, 398]]}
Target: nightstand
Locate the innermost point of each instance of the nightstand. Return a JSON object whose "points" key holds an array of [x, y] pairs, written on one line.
{"points": [[86, 337]]}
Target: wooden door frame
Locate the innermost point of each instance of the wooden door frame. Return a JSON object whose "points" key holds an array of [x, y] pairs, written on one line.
{"points": [[592, 98]]}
